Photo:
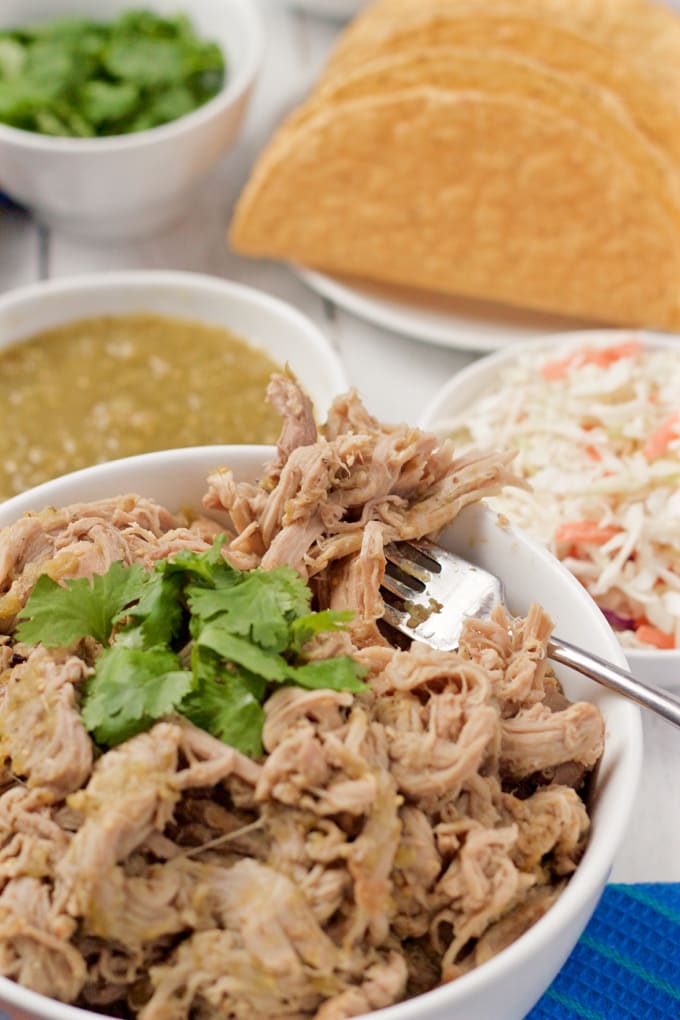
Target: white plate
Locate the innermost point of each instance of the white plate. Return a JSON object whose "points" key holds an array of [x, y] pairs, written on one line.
{"points": [[460, 323], [327, 8]]}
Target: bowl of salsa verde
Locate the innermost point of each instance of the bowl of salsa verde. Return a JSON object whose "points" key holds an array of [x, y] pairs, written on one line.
{"points": [[109, 365]]}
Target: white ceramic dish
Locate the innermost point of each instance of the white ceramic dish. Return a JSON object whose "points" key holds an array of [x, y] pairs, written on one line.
{"points": [[653, 666], [459, 323], [340, 9], [509, 984], [132, 184]]}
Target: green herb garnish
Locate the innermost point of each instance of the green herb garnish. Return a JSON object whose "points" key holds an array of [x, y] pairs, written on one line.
{"points": [[194, 636], [84, 78]]}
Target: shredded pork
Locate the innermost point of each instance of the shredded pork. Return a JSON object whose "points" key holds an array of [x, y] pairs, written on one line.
{"points": [[387, 841]]}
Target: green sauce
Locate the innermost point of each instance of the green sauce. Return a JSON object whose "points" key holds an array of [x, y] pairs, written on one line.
{"points": [[109, 387]]}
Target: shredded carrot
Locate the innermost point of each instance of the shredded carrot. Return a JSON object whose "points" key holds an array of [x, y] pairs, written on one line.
{"points": [[659, 440], [585, 532], [603, 356], [650, 635], [554, 370], [608, 355], [593, 453]]}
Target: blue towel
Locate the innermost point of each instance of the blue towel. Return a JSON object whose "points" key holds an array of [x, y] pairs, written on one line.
{"points": [[626, 965]]}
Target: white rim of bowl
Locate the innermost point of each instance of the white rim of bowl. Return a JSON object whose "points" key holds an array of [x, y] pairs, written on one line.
{"points": [[233, 88], [581, 891], [499, 358]]}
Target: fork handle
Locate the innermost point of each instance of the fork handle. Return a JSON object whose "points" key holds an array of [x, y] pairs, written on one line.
{"points": [[662, 702]]}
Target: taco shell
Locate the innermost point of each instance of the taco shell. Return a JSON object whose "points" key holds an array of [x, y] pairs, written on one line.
{"points": [[521, 151], [522, 28], [471, 193], [507, 70], [645, 34]]}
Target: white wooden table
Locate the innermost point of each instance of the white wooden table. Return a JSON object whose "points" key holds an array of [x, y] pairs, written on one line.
{"points": [[395, 376]]}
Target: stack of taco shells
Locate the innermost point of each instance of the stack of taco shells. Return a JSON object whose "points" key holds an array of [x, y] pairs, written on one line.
{"points": [[519, 151]]}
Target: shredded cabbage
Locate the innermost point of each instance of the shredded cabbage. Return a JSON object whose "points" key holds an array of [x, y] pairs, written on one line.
{"points": [[597, 435]]}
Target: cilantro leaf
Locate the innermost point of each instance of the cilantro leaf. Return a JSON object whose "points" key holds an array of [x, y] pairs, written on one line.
{"points": [[136, 22], [306, 627], [12, 57], [57, 615], [172, 102], [105, 102], [51, 66], [130, 689], [228, 705], [18, 103], [261, 606], [209, 568], [244, 653], [71, 121], [145, 61], [157, 618], [68, 27], [339, 674]]}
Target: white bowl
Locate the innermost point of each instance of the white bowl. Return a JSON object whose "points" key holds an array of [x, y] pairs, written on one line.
{"points": [[339, 9], [265, 322], [131, 184], [508, 985], [653, 666]]}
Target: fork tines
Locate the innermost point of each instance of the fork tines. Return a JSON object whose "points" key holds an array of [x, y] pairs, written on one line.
{"points": [[428, 593], [409, 570]]}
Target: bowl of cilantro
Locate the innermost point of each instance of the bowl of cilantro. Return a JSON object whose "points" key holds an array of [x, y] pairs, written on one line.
{"points": [[109, 122]]}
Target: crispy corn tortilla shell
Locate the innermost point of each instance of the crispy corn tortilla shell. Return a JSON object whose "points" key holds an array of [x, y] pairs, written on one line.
{"points": [[656, 110], [467, 193], [496, 73], [502, 71], [646, 34]]}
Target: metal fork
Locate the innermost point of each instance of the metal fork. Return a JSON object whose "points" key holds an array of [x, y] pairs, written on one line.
{"points": [[429, 592]]}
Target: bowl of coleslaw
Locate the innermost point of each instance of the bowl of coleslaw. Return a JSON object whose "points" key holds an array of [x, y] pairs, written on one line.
{"points": [[594, 418]]}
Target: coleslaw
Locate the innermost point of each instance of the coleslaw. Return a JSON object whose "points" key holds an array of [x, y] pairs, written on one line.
{"points": [[596, 431]]}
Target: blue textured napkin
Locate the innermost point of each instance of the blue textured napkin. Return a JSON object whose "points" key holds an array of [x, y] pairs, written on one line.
{"points": [[626, 965]]}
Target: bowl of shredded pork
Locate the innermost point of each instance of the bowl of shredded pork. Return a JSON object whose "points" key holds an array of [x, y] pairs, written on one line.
{"points": [[226, 793]]}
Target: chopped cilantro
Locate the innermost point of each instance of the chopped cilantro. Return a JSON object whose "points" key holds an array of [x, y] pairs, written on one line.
{"points": [[157, 618], [194, 636], [131, 688], [81, 78], [227, 702], [304, 628], [258, 605], [84, 608]]}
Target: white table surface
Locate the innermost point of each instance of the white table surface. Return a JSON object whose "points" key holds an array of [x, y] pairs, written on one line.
{"points": [[395, 376]]}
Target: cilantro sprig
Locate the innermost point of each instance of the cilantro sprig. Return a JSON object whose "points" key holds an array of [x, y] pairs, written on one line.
{"points": [[194, 636]]}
